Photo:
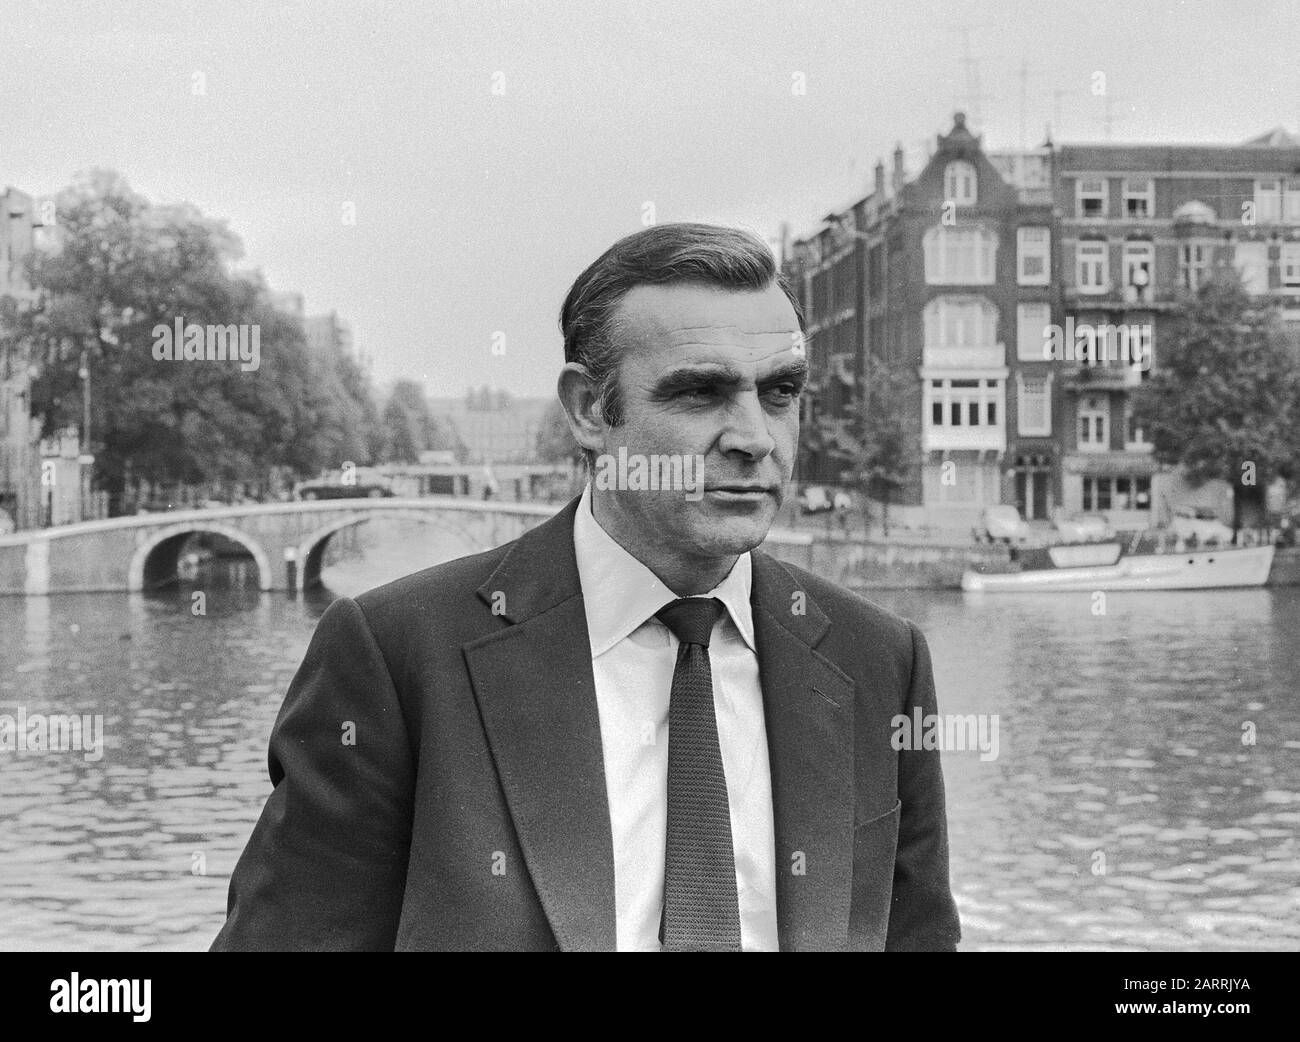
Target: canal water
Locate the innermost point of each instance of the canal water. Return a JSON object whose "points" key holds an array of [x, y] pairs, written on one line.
{"points": [[1145, 793]]}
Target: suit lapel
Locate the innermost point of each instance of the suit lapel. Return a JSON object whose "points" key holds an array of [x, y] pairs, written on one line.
{"points": [[808, 712], [537, 696]]}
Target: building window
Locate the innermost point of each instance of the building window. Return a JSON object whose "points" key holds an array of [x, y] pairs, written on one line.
{"points": [[1094, 423], [1131, 343], [1134, 436], [964, 403], [1034, 407], [1092, 266], [960, 183], [1291, 265], [960, 256], [1033, 256], [1032, 333], [1123, 493], [1194, 264], [1139, 197], [1139, 269], [1252, 262], [1268, 201], [1142, 343], [960, 322], [822, 303], [1091, 197], [1291, 202]]}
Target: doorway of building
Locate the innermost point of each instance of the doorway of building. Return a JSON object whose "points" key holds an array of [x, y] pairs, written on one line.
{"points": [[1032, 483]]}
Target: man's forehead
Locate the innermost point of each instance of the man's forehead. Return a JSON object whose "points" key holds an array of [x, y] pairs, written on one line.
{"points": [[683, 315]]}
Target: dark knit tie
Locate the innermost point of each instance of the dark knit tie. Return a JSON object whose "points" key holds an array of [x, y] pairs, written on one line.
{"points": [[701, 909]]}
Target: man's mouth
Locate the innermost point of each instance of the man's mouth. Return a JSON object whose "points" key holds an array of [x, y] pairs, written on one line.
{"points": [[740, 491]]}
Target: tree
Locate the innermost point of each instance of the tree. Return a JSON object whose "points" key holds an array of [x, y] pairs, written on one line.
{"points": [[404, 419], [1223, 403], [123, 267], [409, 427], [876, 442], [555, 442]]}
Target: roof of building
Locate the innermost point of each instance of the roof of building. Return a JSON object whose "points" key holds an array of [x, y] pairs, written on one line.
{"points": [[1278, 137], [1252, 157], [1194, 212]]}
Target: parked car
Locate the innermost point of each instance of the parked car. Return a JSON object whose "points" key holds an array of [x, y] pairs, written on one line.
{"points": [[815, 499], [1202, 525], [1001, 524], [843, 501], [1084, 528], [310, 490]]}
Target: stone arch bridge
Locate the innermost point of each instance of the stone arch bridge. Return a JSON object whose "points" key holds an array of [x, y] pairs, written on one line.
{"points": [[141, 552]]}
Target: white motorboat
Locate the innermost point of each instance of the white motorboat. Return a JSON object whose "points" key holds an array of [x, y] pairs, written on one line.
{"points": [[1103, 566]]}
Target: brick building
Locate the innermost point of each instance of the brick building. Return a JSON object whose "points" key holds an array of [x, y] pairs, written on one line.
{"points": [[1023, 296], [20, 234], [932, 277], [1142, 225]]}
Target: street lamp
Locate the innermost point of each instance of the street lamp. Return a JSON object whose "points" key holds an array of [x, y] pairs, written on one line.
{"points": [[85, 460], [84, 373]]}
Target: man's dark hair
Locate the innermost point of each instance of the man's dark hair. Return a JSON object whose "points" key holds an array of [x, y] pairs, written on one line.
{"points": [[707, 254]]}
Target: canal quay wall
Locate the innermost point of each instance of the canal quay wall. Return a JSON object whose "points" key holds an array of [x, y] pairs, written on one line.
{"points": [[892, 565], [124, 554], [897, 565]]}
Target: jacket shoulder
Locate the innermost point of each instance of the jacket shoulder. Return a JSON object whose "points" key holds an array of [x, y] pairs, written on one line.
{"points": [[430, 592], [851, 613]]}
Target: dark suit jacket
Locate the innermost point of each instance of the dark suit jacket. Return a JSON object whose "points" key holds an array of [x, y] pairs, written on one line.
{"points": [[470, 812]]}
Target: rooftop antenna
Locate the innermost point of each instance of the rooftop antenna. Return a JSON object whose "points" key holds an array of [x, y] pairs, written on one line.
{"points": [[1024, 85], [1057, 95], [974, 95], [1109, 118], [1024, 75]]}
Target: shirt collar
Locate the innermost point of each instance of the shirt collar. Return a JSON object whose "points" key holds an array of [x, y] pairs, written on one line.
{"points": [[620, 593]]}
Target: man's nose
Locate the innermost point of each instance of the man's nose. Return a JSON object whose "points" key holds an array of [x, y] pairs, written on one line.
{"points": [[746, 429]]}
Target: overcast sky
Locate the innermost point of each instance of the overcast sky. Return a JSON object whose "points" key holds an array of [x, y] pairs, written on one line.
{"points": [[492, 150]]}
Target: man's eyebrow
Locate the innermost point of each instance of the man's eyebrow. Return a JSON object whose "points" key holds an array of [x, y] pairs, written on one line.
{"points": [[690, 375], [797, 371], [749, 332], [715, 373]]}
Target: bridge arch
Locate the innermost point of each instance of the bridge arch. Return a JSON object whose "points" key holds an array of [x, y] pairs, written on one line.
{"points": [[311, 549], [158, 554]]}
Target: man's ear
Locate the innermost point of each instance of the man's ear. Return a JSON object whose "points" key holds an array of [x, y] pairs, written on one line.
{"points": [[581, 404]]}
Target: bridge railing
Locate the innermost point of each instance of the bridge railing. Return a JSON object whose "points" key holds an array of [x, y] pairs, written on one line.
{"points": [[319, 506]]}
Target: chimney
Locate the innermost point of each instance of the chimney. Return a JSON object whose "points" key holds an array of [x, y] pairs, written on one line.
{"points": [[898, 166], [880, 177]]}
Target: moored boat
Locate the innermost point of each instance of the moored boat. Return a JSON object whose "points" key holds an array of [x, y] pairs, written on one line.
{"points": [[1086, 569]]}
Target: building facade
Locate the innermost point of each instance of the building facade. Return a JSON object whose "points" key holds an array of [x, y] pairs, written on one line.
{"points": [[1142, 226], [327, 333], [1022, 297], [20, 496], [494, 426], [945, 279]]}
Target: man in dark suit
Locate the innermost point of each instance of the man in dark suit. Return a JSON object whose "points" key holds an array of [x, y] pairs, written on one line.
{"points": [[628, 729]]}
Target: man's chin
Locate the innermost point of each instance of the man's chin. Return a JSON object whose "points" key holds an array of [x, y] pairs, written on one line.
{"points": [[719, 536]]}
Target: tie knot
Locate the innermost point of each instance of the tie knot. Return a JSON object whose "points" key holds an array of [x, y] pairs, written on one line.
{"points": [[691, 618]]}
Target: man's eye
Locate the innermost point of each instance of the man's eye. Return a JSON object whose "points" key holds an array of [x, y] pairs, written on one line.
{"points": [[702, 391], [785, 392]]}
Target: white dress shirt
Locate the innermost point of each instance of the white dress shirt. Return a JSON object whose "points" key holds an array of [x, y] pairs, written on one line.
{"points": [[633, 656]]}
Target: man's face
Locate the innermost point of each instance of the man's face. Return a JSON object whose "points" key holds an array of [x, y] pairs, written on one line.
{"points": [[712, 373]]}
